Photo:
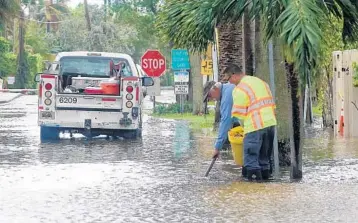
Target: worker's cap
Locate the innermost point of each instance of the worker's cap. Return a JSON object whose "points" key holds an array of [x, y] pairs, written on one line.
{"points": [[207, 88]]}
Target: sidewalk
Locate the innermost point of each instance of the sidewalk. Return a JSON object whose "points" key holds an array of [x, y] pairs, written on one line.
{"points": [[8, 97], [167, 96]]}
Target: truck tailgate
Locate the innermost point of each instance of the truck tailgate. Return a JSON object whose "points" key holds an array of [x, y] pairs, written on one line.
{"points": [[88, 102]]}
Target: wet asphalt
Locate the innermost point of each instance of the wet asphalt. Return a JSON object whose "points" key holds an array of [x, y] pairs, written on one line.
{"points": [[160, 178]]}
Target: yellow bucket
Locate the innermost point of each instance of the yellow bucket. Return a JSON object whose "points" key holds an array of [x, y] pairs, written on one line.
{"points": [[236, 138]]}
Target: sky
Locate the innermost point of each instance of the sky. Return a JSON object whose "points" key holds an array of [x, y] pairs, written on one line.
{"points": [[74, 3]]}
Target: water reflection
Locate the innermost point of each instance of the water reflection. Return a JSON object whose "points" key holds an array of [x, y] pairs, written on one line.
{"points": [[161, 178], [182, 140]]}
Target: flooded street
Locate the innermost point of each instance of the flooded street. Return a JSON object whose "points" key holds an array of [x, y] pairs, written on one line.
{"points": [[160, 178]]}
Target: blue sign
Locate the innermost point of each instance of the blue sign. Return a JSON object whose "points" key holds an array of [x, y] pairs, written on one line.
{"points": [[180, 59], [181, 76]]}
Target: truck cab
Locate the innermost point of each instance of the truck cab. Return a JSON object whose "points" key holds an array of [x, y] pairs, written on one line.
{"points": [[92, 93]]}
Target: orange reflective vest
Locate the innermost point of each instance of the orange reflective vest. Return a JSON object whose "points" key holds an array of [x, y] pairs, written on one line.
{"points": [[253, 103]]}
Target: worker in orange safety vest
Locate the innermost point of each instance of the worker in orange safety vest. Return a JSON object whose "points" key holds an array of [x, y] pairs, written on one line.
{"points": [[254, 106]]}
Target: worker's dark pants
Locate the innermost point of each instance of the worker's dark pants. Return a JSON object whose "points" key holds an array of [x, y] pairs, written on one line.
{"points": [[258, 149]]}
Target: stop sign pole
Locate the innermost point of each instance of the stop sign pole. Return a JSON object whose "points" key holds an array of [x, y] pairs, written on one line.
{"points": [[153, 63]]}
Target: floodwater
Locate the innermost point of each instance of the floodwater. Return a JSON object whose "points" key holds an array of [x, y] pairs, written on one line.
{"points": [[160, 178]]}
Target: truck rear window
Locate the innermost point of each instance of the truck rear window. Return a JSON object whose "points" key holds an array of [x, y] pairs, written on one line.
{"points": [[96, 66]]}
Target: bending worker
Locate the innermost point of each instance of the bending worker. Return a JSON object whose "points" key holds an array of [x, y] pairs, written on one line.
{"points": [[254, 106], [222, 93]]}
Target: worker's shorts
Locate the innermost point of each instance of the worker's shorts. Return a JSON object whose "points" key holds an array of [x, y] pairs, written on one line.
{"points": [[258, 149]]}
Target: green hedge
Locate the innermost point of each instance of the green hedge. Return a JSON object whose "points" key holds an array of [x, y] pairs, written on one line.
{"points": [[171, 109], [35, 62], [7, 59], [8, 64]]}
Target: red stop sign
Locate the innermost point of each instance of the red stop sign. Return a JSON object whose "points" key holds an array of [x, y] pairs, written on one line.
{"points": [[153, 63]]}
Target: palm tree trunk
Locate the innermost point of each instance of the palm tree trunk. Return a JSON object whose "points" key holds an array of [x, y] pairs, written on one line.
{"points": [[295, 123], [248, 57], [22, 67], [230, 51], [261, 70], [197, 83], [230, 45]]}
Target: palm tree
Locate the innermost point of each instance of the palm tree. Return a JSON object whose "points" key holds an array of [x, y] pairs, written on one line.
{"points": [[8, 9], [230, 38], [50, 13], [190, 24]]}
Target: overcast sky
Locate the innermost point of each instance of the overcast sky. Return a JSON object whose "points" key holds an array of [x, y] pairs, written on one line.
{"points": [[74, 3]]}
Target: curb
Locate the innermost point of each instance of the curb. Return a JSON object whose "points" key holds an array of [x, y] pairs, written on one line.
{"points": [[166, 88], [164, 103], [7, 101]]}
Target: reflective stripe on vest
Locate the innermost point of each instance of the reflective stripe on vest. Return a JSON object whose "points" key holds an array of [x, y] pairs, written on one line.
{"points": [[257, 120], [248, 90], [265, 102], [239, 110], [254, 109]]}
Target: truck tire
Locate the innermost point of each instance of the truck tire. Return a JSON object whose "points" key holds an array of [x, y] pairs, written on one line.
{"points": [[139, 130], [49, 133], [139, 133], [130, 134]]}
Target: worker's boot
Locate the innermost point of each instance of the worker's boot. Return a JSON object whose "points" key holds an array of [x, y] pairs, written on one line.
{"points": [[257, 173], [266, 174], [244, 172]]}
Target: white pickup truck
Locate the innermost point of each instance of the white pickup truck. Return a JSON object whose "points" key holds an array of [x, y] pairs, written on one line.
{"points": [[64, 105]]}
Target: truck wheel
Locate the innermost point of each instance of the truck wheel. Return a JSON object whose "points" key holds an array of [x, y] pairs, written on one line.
{"points": [[132, 134], [49, 133], [139, 133], [140, 127]]}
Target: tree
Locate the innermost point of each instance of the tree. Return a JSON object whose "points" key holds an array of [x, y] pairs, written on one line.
{"points": [[126, 15], [229, 33], [7, 58], [8, 8], [295, 23], [104, 35]]}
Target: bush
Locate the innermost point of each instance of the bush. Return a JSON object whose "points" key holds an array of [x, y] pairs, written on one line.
{"points": [[7, 59], [35, 62], [171, 108], [7, 64]]}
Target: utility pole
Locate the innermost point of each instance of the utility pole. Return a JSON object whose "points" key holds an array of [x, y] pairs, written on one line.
{"points": [[105, 10], [215, 60], [22, 68], [21, 35], [273, 90], [14, 36]]}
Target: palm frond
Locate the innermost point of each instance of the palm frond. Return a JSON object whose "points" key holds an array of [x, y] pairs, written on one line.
{"points": [[299, 24], [346, 10], [187, 24], [270, 11], [8, 8]]}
